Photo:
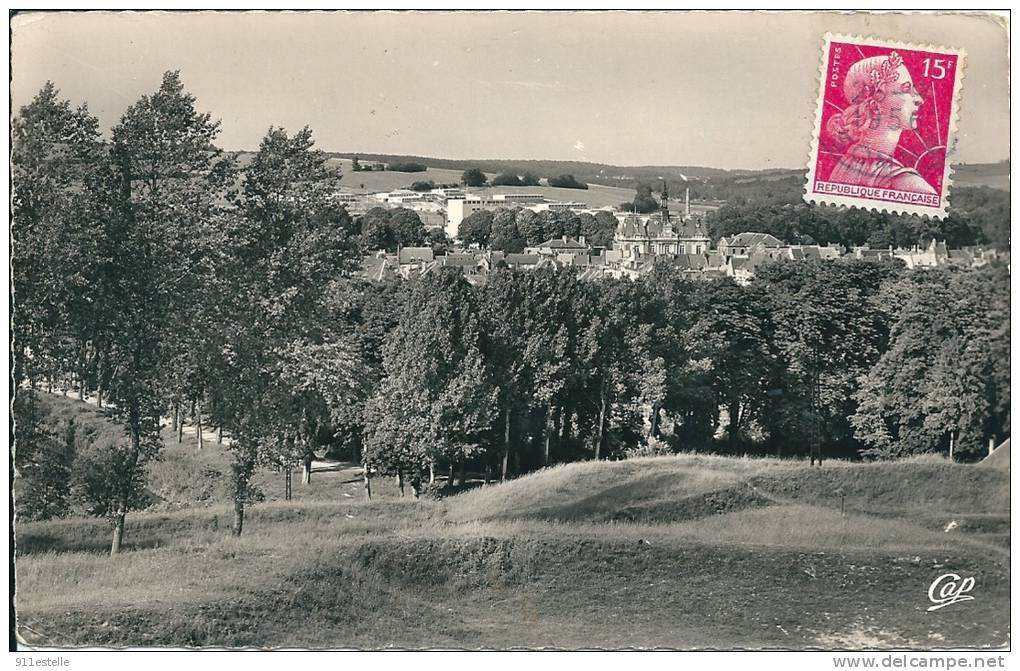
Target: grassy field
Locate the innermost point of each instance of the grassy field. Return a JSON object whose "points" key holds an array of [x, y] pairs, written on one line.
{"points": [[371, 182], [691, 551], [595, 195], [994, 175]]}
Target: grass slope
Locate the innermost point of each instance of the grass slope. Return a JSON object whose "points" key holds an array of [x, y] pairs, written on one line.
{"points": [[713, 552]]}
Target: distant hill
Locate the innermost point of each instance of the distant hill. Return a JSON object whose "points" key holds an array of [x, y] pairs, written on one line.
{"points": [[595, 173], [994, 175], [706, 182]]}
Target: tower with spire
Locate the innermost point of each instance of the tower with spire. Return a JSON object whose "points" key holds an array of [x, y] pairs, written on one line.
{"points": [[665, 203]]}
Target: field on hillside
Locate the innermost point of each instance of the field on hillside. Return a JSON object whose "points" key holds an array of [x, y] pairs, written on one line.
{"points": [[691, 551], [369, 182], [994, 175]]}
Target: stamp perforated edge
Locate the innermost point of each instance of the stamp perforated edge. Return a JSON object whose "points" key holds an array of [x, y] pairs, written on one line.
{"points": [[864, 203]]}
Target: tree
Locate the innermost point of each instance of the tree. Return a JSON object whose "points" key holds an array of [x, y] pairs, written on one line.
{"points": [[566, 182], [531, 227], [356, 165], [938, 386], [435, 402], [389, 229], [476, 228], [828, 333], [167, 168], [504, 234], [280, 350], [407, 166], [63, 198], [43, 458], [473, 177], [376, 232], [507, 179], [599, 229], [731, 333], [438, 240], [606, 357], [507, 309], [644, 202], [408, 229], [423, 185], [529, 180], [671, 307]]}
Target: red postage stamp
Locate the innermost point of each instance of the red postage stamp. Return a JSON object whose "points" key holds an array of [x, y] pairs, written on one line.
{"points": [[884, 126]]}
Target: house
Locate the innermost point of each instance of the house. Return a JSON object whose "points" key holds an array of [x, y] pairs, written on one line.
{"points": [[739, 268], [522, 261], [934, 255], [415, 255], [871, 254], [743, 244], [561, 245]]}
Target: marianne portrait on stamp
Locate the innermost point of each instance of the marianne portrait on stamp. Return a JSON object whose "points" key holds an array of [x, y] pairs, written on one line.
{"points": [[882, 104]]}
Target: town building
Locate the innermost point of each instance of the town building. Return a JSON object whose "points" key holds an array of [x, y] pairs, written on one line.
{"points": [[459, 209], [743, 244], [661, 234], [934, 255], [562, 245]]}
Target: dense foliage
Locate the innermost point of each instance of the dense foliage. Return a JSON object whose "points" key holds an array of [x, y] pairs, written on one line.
{"points": [[387, 229], [801, 223], [644, 202], [407, 166], [473, 177], [566, 182], [513, 229]]}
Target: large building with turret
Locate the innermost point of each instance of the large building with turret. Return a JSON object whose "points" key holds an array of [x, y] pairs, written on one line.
{"points": [[662, 233]]}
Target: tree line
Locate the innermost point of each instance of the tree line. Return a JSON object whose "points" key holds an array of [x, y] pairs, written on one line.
{"points": [[474, 177], [802, 223], [152, 271], [513, 229]]}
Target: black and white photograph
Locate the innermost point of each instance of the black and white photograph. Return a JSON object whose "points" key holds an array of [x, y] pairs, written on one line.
{"points": [[482, 330]]}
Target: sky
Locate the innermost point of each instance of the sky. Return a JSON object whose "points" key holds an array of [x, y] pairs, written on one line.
{"points": [[723, 90]]}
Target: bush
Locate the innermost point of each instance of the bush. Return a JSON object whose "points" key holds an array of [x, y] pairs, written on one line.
{"points": [[566, 182], [104, 463], [180, 480], [507, 179], [644, 202], [435, 491], [423, 186], [652, 447], [43, 459], [408, 166]]}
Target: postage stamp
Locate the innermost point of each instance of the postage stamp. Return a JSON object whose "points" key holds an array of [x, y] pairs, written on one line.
{"points": [[884, 125]]}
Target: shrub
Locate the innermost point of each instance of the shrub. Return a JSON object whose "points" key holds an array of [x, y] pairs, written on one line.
{"points": [[434, 491], [566, 182], [104, 463], [507, 179], [409, 166], [652, 447], [43, 461]]}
